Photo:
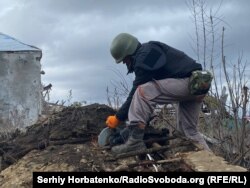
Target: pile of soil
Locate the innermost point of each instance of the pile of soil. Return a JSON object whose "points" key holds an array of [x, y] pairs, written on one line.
{"points": [[72, 125], [67, 141]]}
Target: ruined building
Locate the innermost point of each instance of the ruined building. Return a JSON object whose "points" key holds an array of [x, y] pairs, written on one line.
{"points": [[20, 84]]}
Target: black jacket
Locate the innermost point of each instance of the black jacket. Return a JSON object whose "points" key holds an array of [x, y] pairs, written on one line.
{"points": [[154, 61]]}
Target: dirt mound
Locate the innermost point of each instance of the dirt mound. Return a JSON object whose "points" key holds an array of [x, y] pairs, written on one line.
{"points": [[67, 141], [70, 126]]}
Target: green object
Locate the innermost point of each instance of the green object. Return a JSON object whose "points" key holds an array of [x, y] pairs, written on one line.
{"points": [[200, 82], [123, 45]]}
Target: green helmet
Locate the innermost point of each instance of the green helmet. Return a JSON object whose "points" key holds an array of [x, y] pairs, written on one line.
{"points": [[123, 45]]}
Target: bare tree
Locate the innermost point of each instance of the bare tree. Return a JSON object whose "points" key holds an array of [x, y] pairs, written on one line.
{"points": [[120, 88], [227, 122]]}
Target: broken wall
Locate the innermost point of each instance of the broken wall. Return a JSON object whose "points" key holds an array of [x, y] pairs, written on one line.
{"points": [[20, 89]]}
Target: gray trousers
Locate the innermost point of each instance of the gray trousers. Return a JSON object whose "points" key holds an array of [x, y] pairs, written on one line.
{"points": [[168, 91]]}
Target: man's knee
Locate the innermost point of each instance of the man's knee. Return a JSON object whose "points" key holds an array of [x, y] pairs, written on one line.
{"points": [[148, 91]]}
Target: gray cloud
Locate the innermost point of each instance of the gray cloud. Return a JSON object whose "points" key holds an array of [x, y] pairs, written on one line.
{"points": [[75, 36]]}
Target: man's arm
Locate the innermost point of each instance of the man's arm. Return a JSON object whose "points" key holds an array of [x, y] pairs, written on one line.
{"points": [[141, 77]]}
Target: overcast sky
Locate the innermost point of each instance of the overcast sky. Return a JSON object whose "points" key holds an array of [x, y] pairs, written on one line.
{"points": [[75, 36]]}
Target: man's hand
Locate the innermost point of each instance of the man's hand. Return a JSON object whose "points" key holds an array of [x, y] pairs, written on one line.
{"points": [[112, 122]]}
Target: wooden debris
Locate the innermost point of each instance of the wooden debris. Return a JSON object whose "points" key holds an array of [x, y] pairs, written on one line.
{"points": [[142, 152]]}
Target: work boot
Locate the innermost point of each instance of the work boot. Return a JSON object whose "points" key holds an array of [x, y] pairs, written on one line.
{"points": [[119, 137], [134, 142]]}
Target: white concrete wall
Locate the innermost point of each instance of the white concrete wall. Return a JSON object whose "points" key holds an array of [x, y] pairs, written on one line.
{"points": [[20, 89]]}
